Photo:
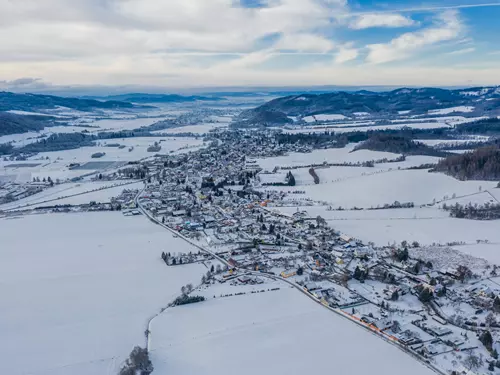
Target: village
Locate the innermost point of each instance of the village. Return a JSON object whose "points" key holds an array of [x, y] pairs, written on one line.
{"points": [[442, 313]]}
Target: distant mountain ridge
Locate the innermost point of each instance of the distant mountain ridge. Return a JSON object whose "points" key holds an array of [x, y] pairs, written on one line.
{"points": [[480, 100], [157, 98], [33, 102]]}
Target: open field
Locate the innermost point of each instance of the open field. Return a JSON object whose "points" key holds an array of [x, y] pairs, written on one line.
{"points": [[332, 155], [56, 164], [195, 129], [276, 332], [86, 191], [78, 289], [417, 186]]}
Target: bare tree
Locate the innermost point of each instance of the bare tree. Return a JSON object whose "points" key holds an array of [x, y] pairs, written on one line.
{"points": [[183, 290], [490, 319], [473, 362]]}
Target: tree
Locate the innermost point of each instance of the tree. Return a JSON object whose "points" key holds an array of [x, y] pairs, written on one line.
{"points": [[491, 366], [496, 304], [395, 296], [218, 269], [300, 271], [212, 269], [425, 295], [396, 327], [464, 273], [486, 339], [490, 320], [137, 363], [183, 290], [403, 255], [472, 362], [189, 288], [203, 279], [494, 354], [415, 244]]}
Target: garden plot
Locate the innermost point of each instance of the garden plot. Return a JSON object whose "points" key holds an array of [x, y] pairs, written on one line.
{"points": [[275, 332], [77, 290]]}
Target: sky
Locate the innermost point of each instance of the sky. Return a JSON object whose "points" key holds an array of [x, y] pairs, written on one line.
{"points": [[224, 43]]}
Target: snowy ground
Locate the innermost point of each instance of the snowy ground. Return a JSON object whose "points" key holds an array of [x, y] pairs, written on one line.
{"points": [[75, 193], [331, 155], [195, 129], [447, 111], [57, 164], [315, 118], [278, 332], [372, 190], [77, 290]]}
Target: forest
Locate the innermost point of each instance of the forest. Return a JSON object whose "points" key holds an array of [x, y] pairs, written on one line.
{"points": [[481, 164]]}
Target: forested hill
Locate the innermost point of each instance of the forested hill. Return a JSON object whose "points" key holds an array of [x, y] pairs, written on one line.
{"points": [[481, 164], [15, 124], [477, 101], [31, 103]]}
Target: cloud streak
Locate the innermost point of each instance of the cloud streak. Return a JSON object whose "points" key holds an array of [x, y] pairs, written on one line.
{"points": [[448, 26]]}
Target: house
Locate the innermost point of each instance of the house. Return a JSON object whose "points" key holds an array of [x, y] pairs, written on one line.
{"points": [[311, 286], [179, 213], [345, 238], [288, 273]]}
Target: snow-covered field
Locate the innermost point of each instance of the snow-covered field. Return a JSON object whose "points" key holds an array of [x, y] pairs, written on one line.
{"points": [[195, 129], [276, 332], [90, 191], [78, 289], [447, 111], [140, 145], [417, 186], [332, 155], [321, 117], [57, 164], [426, 232]]}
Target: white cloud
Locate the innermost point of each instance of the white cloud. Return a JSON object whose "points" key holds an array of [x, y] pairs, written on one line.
{"points": [[448, 27], [462, 51], [209, 42], [366, 21], [304, 43], [346, 53]]}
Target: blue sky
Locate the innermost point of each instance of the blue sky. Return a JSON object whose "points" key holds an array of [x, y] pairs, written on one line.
{"points": [[203, 43]]}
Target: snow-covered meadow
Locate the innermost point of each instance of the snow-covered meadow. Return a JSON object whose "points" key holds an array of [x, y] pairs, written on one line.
{"points": [[274, 332], [77, 290], [56, 163]]}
